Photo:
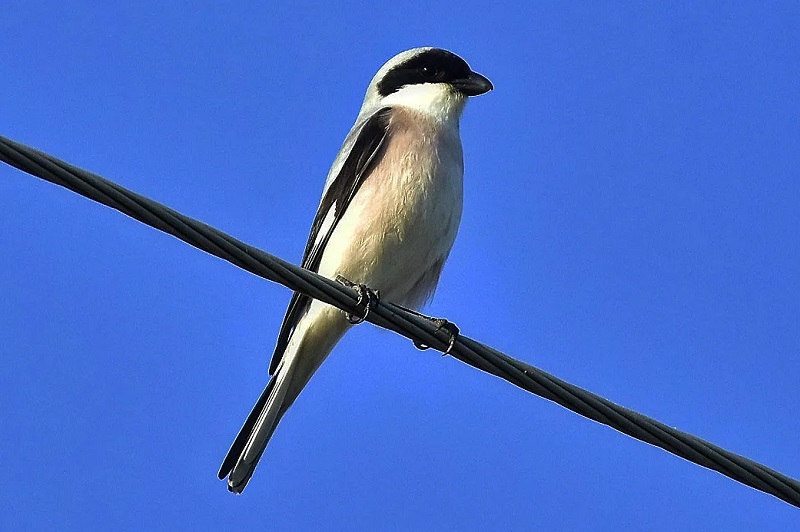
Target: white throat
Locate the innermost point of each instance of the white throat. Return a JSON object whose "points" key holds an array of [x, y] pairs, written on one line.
{"points": [[437, 100]]}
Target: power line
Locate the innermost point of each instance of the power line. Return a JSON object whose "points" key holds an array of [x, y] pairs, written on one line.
{"points": [[397, 319]]}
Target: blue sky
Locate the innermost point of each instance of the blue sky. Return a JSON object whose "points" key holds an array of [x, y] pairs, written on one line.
{"points": [[631, 225]]}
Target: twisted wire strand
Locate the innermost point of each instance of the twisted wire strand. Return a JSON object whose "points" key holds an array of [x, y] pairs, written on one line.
{"points": [[397, 319]]}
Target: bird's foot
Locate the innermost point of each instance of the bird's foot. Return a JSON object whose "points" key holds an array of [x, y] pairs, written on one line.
{"points": [[441, 324], [366, 296]]}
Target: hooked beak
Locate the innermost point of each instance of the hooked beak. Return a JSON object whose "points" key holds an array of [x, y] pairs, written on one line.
{"points": [[473, 85]]}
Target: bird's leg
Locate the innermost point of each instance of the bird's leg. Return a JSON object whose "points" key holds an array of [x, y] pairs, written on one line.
{"points": [[441, 324], [366, 296]]}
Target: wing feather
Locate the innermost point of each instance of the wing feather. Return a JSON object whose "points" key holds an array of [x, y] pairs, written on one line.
{"points": [[365, 151]]}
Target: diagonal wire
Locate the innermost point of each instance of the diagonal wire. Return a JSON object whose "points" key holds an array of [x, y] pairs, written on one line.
{"points": [[397, 319]]}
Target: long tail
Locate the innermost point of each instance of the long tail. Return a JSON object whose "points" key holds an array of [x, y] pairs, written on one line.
{"points": [[249, 445], [313, 339]]}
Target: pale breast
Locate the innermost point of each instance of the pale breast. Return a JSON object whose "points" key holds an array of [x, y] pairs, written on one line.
{"points": [[400, 226]]}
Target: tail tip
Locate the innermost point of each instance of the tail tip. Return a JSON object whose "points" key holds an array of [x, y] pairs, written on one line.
{"points": [[236, 489]]}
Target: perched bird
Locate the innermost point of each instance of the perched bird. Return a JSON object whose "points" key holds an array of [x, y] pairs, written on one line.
{"points": [[389, 214]]}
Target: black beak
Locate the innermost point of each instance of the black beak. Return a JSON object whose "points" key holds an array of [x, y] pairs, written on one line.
{"points": [[473, 85]]}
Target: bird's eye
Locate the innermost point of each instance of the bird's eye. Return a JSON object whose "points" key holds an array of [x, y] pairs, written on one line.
{"points": [[428, 72]]}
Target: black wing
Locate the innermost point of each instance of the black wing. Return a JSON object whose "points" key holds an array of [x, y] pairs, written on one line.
{"points": [[355, 169]]}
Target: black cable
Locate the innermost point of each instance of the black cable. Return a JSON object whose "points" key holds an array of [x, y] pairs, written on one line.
{"points": [[395, 318]]}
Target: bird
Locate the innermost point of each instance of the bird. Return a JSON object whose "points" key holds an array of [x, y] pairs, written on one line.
{"points": [[387, 220]]}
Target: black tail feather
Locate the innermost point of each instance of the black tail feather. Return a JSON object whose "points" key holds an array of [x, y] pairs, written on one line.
{"points": [[244, 434]]}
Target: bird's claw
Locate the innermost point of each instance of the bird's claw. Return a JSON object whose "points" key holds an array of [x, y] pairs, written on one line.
{"points": [[441, 324], [366, 296]]}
